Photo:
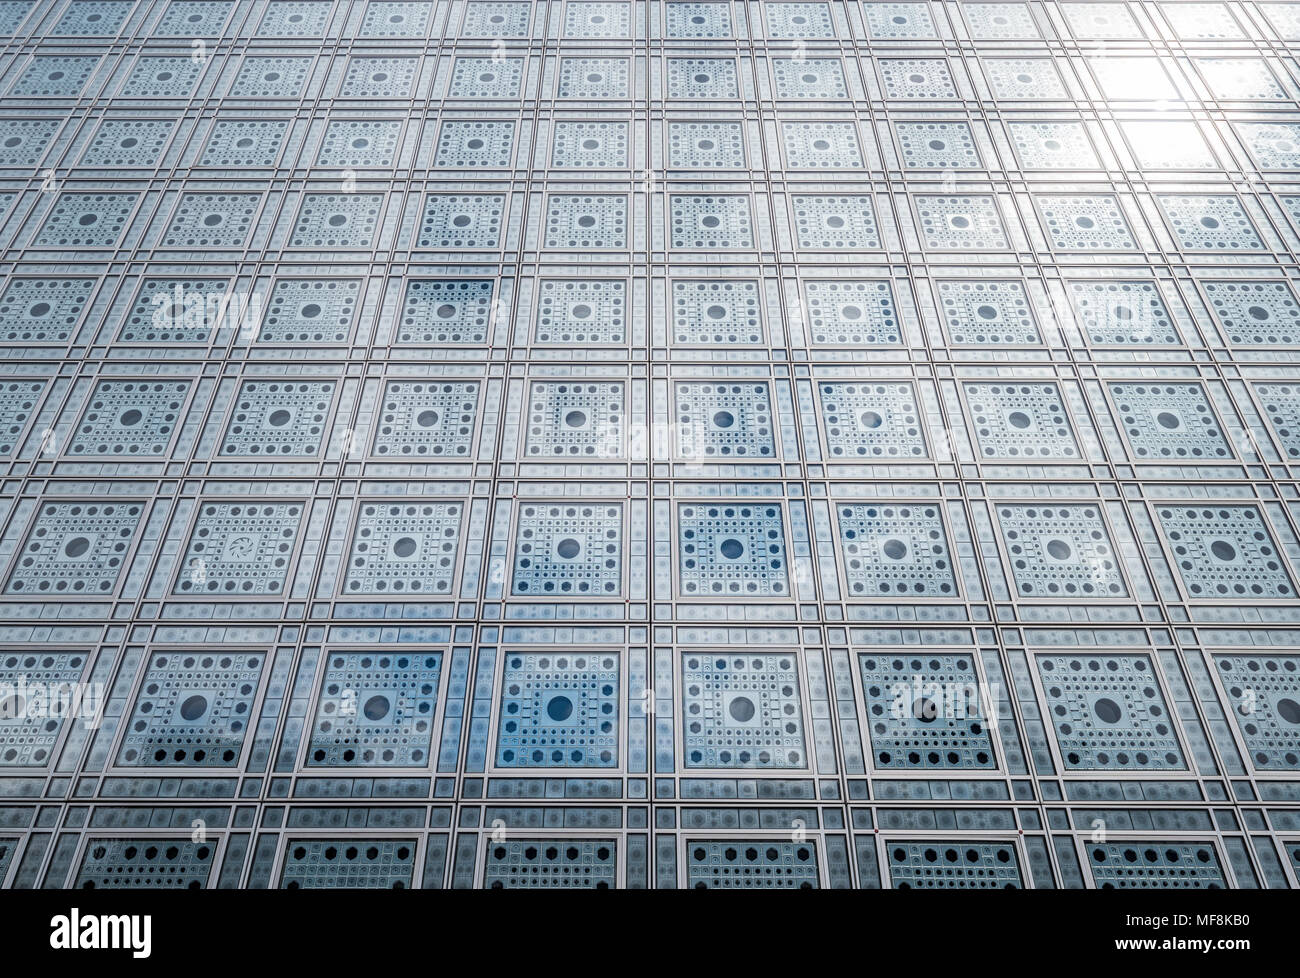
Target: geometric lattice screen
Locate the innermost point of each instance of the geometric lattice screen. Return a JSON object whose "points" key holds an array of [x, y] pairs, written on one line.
{"points": [[649, 444]]}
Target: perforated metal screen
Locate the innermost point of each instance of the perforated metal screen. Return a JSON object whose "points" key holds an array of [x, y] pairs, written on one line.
{"points": [[744, 443]]}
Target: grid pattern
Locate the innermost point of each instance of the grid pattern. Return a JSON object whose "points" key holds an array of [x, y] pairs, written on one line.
{"points": [[642, 443]]}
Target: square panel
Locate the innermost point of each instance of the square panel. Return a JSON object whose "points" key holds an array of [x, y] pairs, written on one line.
{"points": [[1168, 145], [1264, 695], [486, 78], [558, 710], [129, 418], [85, 220], [1101, 21], [809, 78], [474, 145], [1255, 313], [380, 78], [1059, 551], [204, 220], [1285, 18], [337, 221], [987, 313], [1291, 205], [93, 18], [700, 20], [834, 222], [446, 311], [953, 865], [303, 311], [271, 77], [967, 223], [278, 419], [703, 78], [295, 18], [244, 143], [54, 76], [925, 713], [43, 310], [351, 863], [1209, 222], [12, 14], [587, 78], [706, 146], [897, 550], [18, 399], [1000, 21], [794, 21], [1275, 146], [821, 146], [1281, 404], [1202, 21], [193, 18], [937, 146], [1155, 864], [1123, 313], [192, 710], [909, 78], [375, 709], [724, 422], [899, 22], [74, 548], [879, 421], [1024, 421], [1015, 79], [581, 221], [170, 310], [575, 419], [1240, 79], [1164, 422], [404, 548], [1053, 146], [590, 145], [569, 550], [701, 222], [358, 142], [751, 864], [461, 221], [742, 710], [1085, 223], [155, 863], [551, 864], [128, 142], [716, 313], [1225, 551], [426, 419], [30, 734], [23, 142], [497, 18], [396, 18], [241, 549], [589, 19], [736, 550], [1108, 713], [162, 77], [852, 313], [571, 311]]}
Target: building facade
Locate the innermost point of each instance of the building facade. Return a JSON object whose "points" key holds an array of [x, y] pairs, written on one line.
{"points": [[473, 443]]}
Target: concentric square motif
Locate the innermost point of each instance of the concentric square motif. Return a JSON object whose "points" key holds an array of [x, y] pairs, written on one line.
{"points": [[569, 550], [742, 711], [559, 710], [733, 549]]}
